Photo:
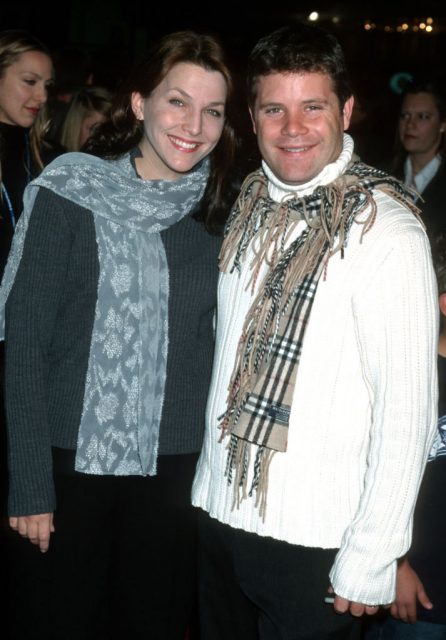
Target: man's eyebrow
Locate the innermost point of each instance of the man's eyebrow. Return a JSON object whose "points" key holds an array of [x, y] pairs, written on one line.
{"points": [[274, 103], [270, 103], [319, 100]]}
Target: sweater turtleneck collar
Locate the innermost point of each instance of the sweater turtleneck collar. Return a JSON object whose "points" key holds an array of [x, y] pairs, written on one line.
{"points": [[279, 191]]}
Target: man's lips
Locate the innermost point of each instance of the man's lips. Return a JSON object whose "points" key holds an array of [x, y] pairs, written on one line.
{"points": [[184, 145], [296, 148]]}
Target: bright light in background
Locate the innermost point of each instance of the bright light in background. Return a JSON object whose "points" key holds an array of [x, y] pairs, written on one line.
{"points": [[429, 28], [313, 16]]}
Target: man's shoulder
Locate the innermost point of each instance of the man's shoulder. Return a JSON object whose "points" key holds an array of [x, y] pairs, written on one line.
{"points": [[391, 200]]}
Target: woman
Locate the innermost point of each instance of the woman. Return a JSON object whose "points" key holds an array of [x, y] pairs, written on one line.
{"points": [[420, 157], [109, 344], [26, 74], [89, 107]]}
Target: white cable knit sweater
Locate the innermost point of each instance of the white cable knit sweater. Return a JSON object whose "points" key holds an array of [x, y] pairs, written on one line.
{"points": [[364, 409]]}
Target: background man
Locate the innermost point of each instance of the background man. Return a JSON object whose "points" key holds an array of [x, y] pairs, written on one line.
{"points": [[322, 406]]}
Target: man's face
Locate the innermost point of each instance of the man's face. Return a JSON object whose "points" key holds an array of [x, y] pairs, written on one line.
{"points": [[299, 124]]}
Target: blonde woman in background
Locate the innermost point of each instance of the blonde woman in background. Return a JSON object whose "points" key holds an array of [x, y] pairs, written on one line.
{"points": [[89, 107], [26, 74]]}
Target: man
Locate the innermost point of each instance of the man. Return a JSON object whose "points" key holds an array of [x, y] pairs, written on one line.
{"points": [[322, 406]]}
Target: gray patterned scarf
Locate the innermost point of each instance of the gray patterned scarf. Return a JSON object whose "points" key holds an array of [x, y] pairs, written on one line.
{"points": [[266, 369], [124, 392]]}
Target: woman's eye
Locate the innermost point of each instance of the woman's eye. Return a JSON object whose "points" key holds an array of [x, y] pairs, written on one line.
{"points": [[214, 112], [30, 82], [176, 102]]}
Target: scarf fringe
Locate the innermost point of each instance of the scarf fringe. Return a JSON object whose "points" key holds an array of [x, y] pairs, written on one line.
{"points": [[292, 277], [323, 238], [238, 460]]}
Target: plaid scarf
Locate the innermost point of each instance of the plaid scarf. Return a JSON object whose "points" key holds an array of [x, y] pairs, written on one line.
{"points": [[262, 384]]}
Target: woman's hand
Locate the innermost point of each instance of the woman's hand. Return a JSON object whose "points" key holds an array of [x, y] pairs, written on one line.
{"points": [[37, 528]]}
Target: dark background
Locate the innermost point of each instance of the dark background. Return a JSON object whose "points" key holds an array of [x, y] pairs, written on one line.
{"points": [[117, 33]]}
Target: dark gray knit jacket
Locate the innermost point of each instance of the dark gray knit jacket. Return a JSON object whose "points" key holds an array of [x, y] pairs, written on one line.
{"points": [[49, 321]]}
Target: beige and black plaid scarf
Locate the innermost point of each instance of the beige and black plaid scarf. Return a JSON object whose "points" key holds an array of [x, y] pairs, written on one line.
{"points": [[262, 383]]}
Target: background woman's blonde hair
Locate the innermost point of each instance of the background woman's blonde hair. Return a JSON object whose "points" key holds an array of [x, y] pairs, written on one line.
{"points": [[86, 101]]}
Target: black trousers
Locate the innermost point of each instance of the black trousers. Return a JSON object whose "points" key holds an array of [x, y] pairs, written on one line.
{"points": [[252, 587], [122, 561]]}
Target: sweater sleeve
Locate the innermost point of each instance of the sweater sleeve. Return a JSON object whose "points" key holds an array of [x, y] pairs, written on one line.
{"points": [[396, 320], [31, 315]]}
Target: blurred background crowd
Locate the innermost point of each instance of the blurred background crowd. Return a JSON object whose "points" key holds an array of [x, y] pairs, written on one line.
{"points": [[385, 43]]}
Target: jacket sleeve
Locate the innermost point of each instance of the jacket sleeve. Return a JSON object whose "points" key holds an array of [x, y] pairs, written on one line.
{"points": [[396, 320], [31, 315]]}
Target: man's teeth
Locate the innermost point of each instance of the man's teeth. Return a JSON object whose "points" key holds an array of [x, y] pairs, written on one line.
{"points": [[296, 149]]}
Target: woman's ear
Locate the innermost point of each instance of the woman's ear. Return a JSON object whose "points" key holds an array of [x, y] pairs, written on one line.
{"points": [[138, 105]]}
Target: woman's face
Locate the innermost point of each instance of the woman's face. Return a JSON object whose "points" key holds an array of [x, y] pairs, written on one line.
{"points": [[420, 126], [88, 126], [24, 88], [183, 120]]}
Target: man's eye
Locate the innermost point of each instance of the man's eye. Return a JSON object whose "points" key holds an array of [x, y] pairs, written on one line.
{"points": [[177, 102]]}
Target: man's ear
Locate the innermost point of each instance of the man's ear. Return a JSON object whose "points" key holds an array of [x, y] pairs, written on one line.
{"points": [[442, 303], [347, 112], [138, 105], [251, 113]]}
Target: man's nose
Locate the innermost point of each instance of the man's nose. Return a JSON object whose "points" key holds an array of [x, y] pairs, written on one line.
{"points": [[294, 125]]}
